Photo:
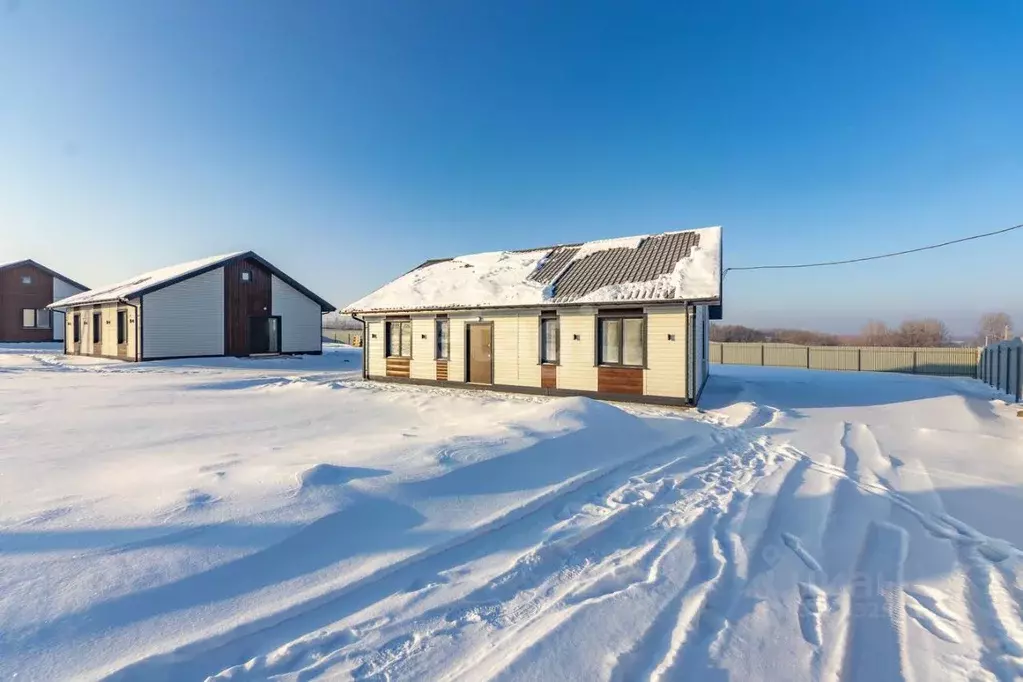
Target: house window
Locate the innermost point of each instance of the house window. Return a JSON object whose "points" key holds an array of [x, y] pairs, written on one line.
{"points": [[246, 276], [621, 341], [35, 319], [97, 327], [399, 339], [26, 279], [122, 327], [443, 340], [549, 340], [78, 328]]}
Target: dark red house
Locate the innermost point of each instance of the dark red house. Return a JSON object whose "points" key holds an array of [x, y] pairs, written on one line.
{"points": [[26, 288]]}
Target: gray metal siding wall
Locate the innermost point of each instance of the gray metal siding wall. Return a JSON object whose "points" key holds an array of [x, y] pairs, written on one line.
{"points": [[185, 319], [1001, 366]]}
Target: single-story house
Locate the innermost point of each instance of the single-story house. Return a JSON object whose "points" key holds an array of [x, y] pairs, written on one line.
{"points": [[236, 304], [26, 289], [619, 319]]}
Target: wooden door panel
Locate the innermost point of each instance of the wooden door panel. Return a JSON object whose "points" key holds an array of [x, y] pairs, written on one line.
{"points": [[481, 337]]}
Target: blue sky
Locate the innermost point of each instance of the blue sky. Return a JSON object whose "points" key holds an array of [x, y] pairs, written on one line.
{"points": [[348, 141]]}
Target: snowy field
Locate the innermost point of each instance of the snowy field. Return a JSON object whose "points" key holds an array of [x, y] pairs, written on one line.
{"points": [[282, 519]]}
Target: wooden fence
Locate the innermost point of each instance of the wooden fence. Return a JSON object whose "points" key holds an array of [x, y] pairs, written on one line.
{"points": [[959, 362]]}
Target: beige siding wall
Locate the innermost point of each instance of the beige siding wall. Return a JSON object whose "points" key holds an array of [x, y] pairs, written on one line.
{"points": [[423, 365], [456, 366], [529, 349], [578, 370], [374, 345], [665, 374], [108, 335]]}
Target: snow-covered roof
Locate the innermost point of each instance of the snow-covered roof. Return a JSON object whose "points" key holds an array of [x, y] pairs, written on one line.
{"points": [[52, 273], [671, 266], [157, 279]]}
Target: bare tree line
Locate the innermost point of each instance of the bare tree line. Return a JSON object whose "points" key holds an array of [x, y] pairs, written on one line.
{"points": [[919, 333]]}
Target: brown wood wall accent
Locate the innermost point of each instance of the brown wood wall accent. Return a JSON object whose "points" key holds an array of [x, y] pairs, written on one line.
{"points": [[243, 300], [548, 376], [620, 380], [399, 367], [442, 370], [15, 296]]}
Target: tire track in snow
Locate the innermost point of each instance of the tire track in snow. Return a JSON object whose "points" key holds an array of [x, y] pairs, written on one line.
{"points": [[702, 639], [876, 646], [206, 656]]}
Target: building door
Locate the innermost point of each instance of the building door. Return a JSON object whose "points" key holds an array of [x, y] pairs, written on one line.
{"points": [[481, 353], [76, 338], [264, 335]]}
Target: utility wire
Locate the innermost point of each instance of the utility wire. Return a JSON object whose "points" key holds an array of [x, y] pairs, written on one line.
{"points": [[877, 257]]}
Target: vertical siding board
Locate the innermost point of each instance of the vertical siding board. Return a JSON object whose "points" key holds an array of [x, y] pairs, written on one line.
{"points": [[667, 359], [374, 342], [423, 365], [242, 300], [577, 370]]}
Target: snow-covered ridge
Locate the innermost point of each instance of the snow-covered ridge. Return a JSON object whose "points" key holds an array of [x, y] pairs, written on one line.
{"points": [[502, 278], [129, 287]]}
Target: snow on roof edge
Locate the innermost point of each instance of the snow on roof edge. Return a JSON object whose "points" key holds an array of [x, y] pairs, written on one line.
{"points": [[710, 245], [141, 282]]}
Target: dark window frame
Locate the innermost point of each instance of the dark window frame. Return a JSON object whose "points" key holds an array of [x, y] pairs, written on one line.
{"points": [[549, 316], [438, 353], [389, 351], [620, 316], [122, 327], [37, 314], [76, 334], [97, 328]]}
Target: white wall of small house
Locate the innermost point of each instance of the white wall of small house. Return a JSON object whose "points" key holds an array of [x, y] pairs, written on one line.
{"points": [[424, 338], [301, 318], [375, 344], [185, 319]]}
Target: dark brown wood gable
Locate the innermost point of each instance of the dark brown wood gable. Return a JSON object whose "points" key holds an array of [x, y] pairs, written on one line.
{"points": [[244, 300], [15, 297]]}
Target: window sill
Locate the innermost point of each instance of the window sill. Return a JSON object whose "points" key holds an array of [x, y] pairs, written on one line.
{"points": [[609, 366]]}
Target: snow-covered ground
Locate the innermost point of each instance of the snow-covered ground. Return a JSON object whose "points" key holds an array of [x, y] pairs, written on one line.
{"points": [[281, 519]]}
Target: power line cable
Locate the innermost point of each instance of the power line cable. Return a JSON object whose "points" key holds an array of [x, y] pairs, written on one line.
{"points": [[877, 257]]}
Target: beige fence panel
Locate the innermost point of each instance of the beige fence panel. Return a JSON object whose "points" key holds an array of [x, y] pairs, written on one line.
{"points": [[835, 358], [888, 360], [785, 355], [965, 362], [741, 353]]}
